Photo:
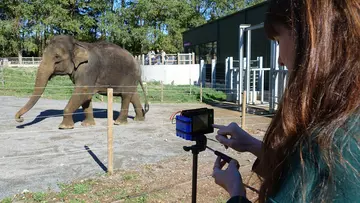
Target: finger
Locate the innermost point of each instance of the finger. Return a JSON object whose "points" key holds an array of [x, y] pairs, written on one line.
{"points": [[224, 140], [217, 164], [222, 163], [217, 126], [234, 163], [216, 172]]}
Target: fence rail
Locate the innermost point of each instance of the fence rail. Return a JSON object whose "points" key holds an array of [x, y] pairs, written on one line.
{"points": [[155, 59], [166, 59], [20, 61]]}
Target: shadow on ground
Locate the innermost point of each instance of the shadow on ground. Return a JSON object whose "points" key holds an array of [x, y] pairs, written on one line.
{"points": [[78, 115], [250, 109]]}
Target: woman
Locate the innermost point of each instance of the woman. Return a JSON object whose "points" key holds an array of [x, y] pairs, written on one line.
{"points": [[310, 152]]}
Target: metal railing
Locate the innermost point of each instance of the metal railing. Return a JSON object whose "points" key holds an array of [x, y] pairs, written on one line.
{"points": [[155, 59], [166, 59], [21, 61]]}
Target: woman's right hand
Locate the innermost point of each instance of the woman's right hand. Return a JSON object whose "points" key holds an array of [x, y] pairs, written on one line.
{"points": [[238, 139]]}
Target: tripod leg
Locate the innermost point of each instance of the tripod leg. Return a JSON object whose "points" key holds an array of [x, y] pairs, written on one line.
{"points": [[194, 176]]}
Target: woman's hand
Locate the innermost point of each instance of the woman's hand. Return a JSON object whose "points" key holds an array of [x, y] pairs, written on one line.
{"points": [[230, 178], [239, 140]]}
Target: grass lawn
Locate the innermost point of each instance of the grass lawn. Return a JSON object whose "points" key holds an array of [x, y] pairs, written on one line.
{"points": [[20, 82]]}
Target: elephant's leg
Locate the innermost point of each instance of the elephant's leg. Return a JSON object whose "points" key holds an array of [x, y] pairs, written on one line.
{"points": [[124, 112], [89, 115], [135, 100], [80, 96]]}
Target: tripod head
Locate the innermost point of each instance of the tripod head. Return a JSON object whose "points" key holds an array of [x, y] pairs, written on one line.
{"points": [[200, 145]]}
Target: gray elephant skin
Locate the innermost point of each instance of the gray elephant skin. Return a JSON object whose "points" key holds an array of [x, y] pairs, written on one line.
{"points": [[92, 67]]}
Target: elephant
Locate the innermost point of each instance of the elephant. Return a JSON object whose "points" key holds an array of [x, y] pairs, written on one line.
{"points": [[93, 67]]}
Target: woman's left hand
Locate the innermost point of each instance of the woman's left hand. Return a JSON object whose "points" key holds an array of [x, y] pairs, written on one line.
{"points": [[230, 178]]}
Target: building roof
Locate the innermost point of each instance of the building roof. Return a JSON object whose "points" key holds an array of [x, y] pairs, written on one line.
{"points": [[222, 18]]}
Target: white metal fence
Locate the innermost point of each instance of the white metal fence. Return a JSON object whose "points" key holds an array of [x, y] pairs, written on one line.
{"points": [[166, 59], [20, 61], [249, 75], [144, 59]]}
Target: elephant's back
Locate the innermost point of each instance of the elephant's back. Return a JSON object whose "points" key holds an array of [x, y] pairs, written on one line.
{"points": [[117, 66]]}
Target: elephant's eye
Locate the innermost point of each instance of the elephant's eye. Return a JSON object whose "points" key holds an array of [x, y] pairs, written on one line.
{"points": [[57, 58]]}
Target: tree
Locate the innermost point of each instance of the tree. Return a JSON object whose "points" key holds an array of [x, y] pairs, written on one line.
{"points": [[137, 25]]}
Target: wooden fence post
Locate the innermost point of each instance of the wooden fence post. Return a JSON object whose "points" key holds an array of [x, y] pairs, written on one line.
{"points": [[201, 91], [146, 88], [243, 111], [162, 91], [110, 130], [190, 85], [178, 58]]}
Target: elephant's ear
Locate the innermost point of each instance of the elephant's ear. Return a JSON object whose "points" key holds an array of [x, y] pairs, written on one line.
{"points": [[80, 54]]}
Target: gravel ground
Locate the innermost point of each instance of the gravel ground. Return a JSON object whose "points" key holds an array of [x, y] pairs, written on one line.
{"points": [[35, 155]]}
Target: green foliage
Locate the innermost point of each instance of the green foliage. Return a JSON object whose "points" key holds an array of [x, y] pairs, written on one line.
{"points": [[6, 200], [137, 25], [81, 188], [39, 196]]}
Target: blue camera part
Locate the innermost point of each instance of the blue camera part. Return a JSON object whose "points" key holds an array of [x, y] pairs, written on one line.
{"points": [[183, 124], [184, 135], [183, 127]]}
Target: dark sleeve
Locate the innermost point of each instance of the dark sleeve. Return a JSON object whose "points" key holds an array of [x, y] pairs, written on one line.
{"points": [[238, 199], [258, 168]]}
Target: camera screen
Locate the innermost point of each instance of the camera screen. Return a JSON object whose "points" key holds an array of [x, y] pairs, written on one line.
{"points": [[200, 122]]}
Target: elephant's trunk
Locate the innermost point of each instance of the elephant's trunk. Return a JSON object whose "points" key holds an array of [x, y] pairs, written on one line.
{"points": [[41, 81]]}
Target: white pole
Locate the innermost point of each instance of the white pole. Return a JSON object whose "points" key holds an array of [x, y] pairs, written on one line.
{"points": [[213, 73], [248, 64], [261, 77], [231, 64], [241, 58]]}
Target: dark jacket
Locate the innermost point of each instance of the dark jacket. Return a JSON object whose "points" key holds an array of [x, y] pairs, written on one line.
{"points": [[345, 173]]}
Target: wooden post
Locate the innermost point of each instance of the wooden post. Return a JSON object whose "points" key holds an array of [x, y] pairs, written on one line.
{"points": [[243, 110], [162, 91], [193, 58], [190, 85], [178, 58], [110, 130], [201, 92], [146, 88]]}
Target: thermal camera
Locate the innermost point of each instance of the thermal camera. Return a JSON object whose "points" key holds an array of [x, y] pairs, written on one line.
{"points": [[194, 122]]}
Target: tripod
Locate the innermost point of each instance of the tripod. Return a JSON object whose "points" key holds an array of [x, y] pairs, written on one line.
{"points": [[198, 147]]}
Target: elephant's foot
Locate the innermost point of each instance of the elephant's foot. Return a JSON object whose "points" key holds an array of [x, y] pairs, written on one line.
{"points": [[63, 126], [139, 118], [120, 121], [88, 122], [66, 125]]}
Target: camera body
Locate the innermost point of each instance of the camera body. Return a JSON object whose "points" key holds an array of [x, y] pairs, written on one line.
{"points": [[193, 122]]}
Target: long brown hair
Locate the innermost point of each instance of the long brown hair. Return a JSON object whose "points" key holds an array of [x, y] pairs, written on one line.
{"points": [[323, 88]]}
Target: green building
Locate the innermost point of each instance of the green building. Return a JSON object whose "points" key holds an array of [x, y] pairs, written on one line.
{"points": [[220, 39]]}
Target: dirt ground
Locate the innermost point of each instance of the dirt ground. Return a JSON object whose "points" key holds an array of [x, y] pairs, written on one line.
{"points": [[36, 156]]}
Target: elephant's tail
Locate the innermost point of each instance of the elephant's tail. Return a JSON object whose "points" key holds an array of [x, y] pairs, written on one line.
{"points": [[146, 101]]}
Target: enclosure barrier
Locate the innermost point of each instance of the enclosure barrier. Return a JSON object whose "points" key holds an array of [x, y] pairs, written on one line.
{"points": [[2, 79], [166, 59], [110, 123], [144, 59]]}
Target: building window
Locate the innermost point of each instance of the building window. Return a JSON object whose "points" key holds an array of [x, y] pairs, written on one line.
{"points": [[205, 52]]}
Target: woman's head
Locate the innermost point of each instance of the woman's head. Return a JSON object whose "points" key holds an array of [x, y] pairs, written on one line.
{"points": [[278, 27], [319, 42]]}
